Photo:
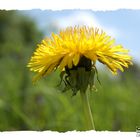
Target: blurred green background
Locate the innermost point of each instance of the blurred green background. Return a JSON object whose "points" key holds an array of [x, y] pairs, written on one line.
{"points": [[24, 106]]}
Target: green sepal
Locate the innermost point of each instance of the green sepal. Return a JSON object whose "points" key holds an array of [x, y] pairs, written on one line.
{"points": [[97, 77], [92, 79], [73, 81], [61, 77], [79, 79]]}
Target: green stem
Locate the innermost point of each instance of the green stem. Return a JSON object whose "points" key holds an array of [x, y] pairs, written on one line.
{"points": [[87, 111]]}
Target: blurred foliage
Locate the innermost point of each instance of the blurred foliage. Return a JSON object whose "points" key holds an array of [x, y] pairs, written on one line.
{"points": [[24, 106]]}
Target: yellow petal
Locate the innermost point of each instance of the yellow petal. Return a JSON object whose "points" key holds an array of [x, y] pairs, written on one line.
{"points": [[50, 69], [118, 66], [64, 62], [70, 61], [76, 59]]}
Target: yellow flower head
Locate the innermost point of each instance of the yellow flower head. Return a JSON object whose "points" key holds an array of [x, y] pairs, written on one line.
{"points": [[72, 46]]}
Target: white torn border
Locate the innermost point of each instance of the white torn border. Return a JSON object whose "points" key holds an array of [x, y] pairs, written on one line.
{"points": [[69, 4], [73, 135], [59, 5]]}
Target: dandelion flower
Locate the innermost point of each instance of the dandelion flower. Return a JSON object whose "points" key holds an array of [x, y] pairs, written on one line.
{"points": [[75, 51], [71, 45]]}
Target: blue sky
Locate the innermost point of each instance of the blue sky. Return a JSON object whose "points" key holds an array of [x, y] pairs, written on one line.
{"points": [[123, 25]]}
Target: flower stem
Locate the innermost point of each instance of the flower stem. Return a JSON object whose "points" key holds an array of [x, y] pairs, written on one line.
{"points": [[87, 111]]}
